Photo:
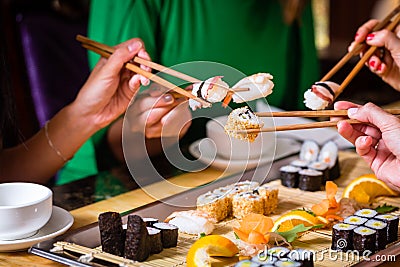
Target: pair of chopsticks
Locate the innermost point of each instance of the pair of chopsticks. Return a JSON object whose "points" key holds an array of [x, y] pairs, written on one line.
{"points": [[308, 114], [389, 22]]}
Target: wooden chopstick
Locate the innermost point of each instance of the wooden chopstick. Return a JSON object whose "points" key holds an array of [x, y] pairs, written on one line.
{"points": [[315, 113], [150, 76], [360, 46]]}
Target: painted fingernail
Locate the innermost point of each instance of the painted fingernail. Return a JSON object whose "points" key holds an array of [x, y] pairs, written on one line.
{"points": [[352, 111], [135, 46], [379, 67], [168, 98], [355, 37], [372, 64], [370, 36]]}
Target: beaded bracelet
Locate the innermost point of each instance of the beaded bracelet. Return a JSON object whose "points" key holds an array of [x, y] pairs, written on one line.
{"points": [[51, 143]]}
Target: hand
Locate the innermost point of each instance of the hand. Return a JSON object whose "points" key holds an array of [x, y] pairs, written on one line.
{"points": [[376, 140], [386, 65], [110, 87], [157, 113]]}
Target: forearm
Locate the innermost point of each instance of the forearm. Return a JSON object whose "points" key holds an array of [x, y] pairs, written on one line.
{"points": [[37, 159]]}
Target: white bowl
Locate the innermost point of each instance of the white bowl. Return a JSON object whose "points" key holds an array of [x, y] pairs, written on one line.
{"points": [[235, 149], [24, 209]]}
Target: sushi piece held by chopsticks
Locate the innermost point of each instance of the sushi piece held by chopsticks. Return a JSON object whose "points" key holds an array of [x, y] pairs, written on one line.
{"points": [[320, 95], [240, 120]]}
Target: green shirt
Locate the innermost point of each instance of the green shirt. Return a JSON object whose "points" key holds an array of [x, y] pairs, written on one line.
{"points": [[249, 35]]}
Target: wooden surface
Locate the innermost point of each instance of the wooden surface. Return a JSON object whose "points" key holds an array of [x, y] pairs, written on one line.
{"points": [[352, 166]]}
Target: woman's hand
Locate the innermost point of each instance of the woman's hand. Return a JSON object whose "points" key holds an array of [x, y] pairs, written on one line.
{"points": [[110, 87], [376, 140], [386, 62]]}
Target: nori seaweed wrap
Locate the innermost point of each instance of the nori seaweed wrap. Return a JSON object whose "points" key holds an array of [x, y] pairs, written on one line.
{"points": [[289, 176], [322, 167], [392, 222], [310, 180], [364, 239], [302, 164], [154, 242], [111, 233], [136, 239], [303, 256], [342, 236], [381, 232], [169, 234]]}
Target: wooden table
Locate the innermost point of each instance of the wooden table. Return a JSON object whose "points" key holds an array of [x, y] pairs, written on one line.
{"points": [[352, 166]]}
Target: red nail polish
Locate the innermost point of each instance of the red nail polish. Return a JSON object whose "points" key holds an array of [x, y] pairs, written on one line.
{"points": [[379, 67], [372, 64], [370, 36]]}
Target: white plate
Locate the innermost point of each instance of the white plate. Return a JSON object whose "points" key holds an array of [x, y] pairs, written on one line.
{"points": [[204, 150], [60, 221]]}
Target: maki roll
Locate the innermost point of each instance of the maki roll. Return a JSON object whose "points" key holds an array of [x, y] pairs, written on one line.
{"points": [[150, 221], [262, 258], [289, 176], [310, 180], [329, 154], [136, 244], [322, 167], [287, 263], [169, 234], [302, 164], [309, 151], [278, 252], [342, 236], [242, 119], [355, 220], [247, 263], [245, 203], [303, 256], [381, 232], [392, 226], [111, 233], [364, 239], [366, 213], [216, 205], [154, 241]]}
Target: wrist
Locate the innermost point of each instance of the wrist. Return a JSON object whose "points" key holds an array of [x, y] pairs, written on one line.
{"points": [[80, 121]]}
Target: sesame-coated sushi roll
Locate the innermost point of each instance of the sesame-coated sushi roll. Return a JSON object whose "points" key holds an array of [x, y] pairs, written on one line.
{"points": [[247, 185], [245, 203], [299, 163], [278, 252], [287, 263], [289, 176], [169, 234], [329, 154], [309, 151], [381, 232], [366, 213], [364, 239], [242, 119], [270, 196], [216, 205], [136, 245], [310, 180], [342, 236], [392, 222], [154, 241], [111, 233], [303, 256], [355, 220], [322, 167], [150, 221]]}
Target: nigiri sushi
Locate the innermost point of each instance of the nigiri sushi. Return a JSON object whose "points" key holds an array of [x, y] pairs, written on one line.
{"points": [[213, 90], [192, 222], [320, 95], [259, 85]]}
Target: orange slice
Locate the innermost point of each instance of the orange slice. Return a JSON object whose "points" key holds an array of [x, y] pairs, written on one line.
{"points": [[295, 217], [202, 250], [366, 188]]}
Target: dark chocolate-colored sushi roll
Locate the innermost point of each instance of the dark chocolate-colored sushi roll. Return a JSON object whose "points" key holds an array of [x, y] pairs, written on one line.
{"points": [[381, 232], [111, 233], [329, 154], [392, 222], [278, 252], [310, 180], [303, 256], [322, 167], [342, 237], [364, 239], [290, 176], [154, 241], [150, 221], [302, 164], [355, 220], [366, 213], [169, 234], [136, 239]]}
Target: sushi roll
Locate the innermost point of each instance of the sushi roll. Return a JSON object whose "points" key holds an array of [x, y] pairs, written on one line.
{"points": [[355, 220], [303, 256], [263, 259], [329, 154], [111, 233], [192, 222], [278, 252], [364, 239], [150, 221], [270, 196], [381, 232], [392, 222], [154, 240], [289, 176], [366, 213], [212, 90], [247, 185], [242, 119], [169, 234], [260, 85], [321, 95], [309, 151], [299, 163], [247, 263], [287, 263], [310, 180], [245, 203], [322, 167], [136, 244], [342, 237], [216, 205]]}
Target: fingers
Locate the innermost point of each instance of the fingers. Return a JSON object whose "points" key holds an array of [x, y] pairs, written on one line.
{"points": [[364, 30]]}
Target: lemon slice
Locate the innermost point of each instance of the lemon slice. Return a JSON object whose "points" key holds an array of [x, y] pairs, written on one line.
{"points": [[295, 217], [366, 188], [212, 245]]}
